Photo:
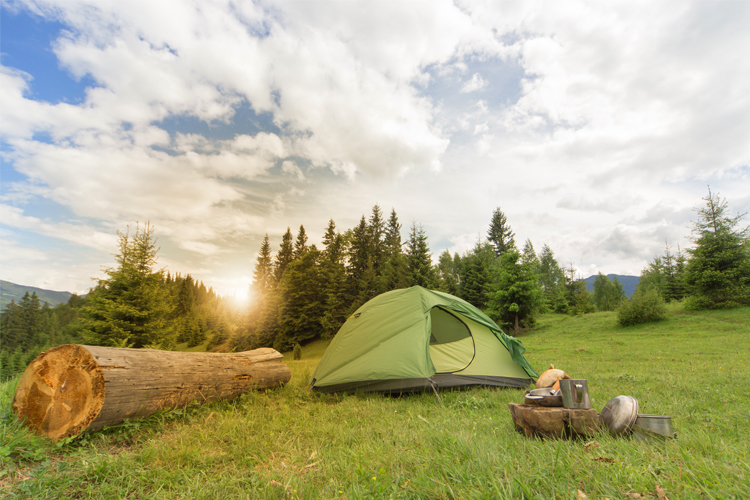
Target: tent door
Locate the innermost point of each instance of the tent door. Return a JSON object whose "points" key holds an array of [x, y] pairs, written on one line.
{"points": [[451, 344]]}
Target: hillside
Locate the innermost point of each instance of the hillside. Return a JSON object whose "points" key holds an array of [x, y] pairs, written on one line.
{"points": [[288, 443], [628, 282], [10, 291]]}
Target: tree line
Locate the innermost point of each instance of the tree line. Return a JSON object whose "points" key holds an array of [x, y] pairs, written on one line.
{"points": [[713, 274], [302, 293], [135, 305]]}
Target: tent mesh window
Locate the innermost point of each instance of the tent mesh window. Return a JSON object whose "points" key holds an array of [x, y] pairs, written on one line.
{"points": [[451, 344]]}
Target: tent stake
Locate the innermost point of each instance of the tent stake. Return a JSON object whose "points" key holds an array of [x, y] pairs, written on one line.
{"points": [[437, 396]]}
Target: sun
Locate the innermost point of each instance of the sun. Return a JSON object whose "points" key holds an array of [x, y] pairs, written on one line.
{"points": [[241, 294]]}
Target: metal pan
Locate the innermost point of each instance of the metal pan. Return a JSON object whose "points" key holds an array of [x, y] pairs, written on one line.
{"points": [[543, 397]]}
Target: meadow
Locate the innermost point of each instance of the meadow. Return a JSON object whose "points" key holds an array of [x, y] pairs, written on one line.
{"points": [[287, 443]]}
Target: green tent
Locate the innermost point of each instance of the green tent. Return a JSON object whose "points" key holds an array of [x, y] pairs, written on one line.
{"points": [[416, 339]]}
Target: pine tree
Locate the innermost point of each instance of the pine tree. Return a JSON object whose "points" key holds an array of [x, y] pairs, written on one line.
{"points": [[359, 252], [394, 273], [419, 259], [675, 265], [263, 274], [285, 255], [666, 275], [11, 327], [185, 297], [477, 274], [130, 308], [576, 294], [29, 308], [300, 245], [718, 272], [552, 280], [393, 235], [333, 282], [516, 297], [529, 255], [377, 231], [447, 273], [500, 234], [301, 308]]}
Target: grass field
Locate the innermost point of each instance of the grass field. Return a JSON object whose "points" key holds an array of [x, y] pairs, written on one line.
{"points": [[286, 443]]}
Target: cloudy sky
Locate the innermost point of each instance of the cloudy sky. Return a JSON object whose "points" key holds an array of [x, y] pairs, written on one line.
{"points": [[595, 126]]}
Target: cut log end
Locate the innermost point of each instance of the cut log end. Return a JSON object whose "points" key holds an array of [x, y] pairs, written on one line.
{"points": [[60, 393], [76, 388]]}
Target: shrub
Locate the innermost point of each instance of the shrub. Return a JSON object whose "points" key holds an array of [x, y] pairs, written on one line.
{"points": [[297, 352], [643, 307]]}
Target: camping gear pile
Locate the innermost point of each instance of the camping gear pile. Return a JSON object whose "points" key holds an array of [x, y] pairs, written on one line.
{"points": [[556, 389]]}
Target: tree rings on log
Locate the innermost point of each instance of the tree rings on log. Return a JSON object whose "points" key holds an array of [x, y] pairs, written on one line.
{"points": [[76, 388], [552, 422]]}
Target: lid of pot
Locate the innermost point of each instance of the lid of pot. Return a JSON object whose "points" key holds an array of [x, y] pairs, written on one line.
{"points": [[619, 415]]}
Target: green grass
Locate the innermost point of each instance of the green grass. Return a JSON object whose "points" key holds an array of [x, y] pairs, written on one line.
{"points": [[286, 443]]}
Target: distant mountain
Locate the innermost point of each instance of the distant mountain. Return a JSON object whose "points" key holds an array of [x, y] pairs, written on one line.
{"points": [[10, 291], [628, 282]]}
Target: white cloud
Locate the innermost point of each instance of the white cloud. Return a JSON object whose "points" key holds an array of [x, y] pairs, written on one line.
{"points": [[476, 83], [620, 109], [291, 168], [74, 233]]}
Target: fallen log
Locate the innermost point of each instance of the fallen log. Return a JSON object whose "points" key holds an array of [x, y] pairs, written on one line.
{"points": [[75, 388]]}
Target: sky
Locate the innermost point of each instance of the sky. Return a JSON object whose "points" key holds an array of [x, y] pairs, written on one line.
{"points": [[596, 127]]}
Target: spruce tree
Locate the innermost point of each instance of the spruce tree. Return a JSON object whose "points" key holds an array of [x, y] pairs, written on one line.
{"points": [[263, 274], [301, 301], [500, 234], [359, 253], [377, 230], [394, 273], [11, 327], [447, 273], [666, 275], [516, 297], [130, 308], [418, 258], [333, 282], [185, 297], [576, 293], [30, 308], [285, 254], [529, 255], [552, 280], [300, 245], [718, 272], [393, 235], [477, 274]]}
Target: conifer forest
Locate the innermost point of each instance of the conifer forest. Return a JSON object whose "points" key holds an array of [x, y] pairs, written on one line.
{"points": [[302, 291]]}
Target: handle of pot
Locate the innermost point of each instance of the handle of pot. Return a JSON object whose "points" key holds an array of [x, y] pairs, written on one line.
{"points": [[579, 392]]}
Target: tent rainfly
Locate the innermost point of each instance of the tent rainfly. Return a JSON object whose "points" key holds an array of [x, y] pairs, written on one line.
{"points": [[416, 339]]}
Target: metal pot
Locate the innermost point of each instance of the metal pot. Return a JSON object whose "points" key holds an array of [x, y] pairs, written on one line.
{"points": [[653, 427], [619, 415]]}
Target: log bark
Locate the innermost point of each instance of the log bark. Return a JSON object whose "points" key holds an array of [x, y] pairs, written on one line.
{"points": [[76, 388], [553, 422]]}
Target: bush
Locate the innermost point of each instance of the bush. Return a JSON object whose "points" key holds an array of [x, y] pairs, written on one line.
{"points": [[297, 352], [643, 307]]}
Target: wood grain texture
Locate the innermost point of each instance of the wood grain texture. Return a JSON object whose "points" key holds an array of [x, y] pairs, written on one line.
{"points": [[75, 388], [554, 422]]}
